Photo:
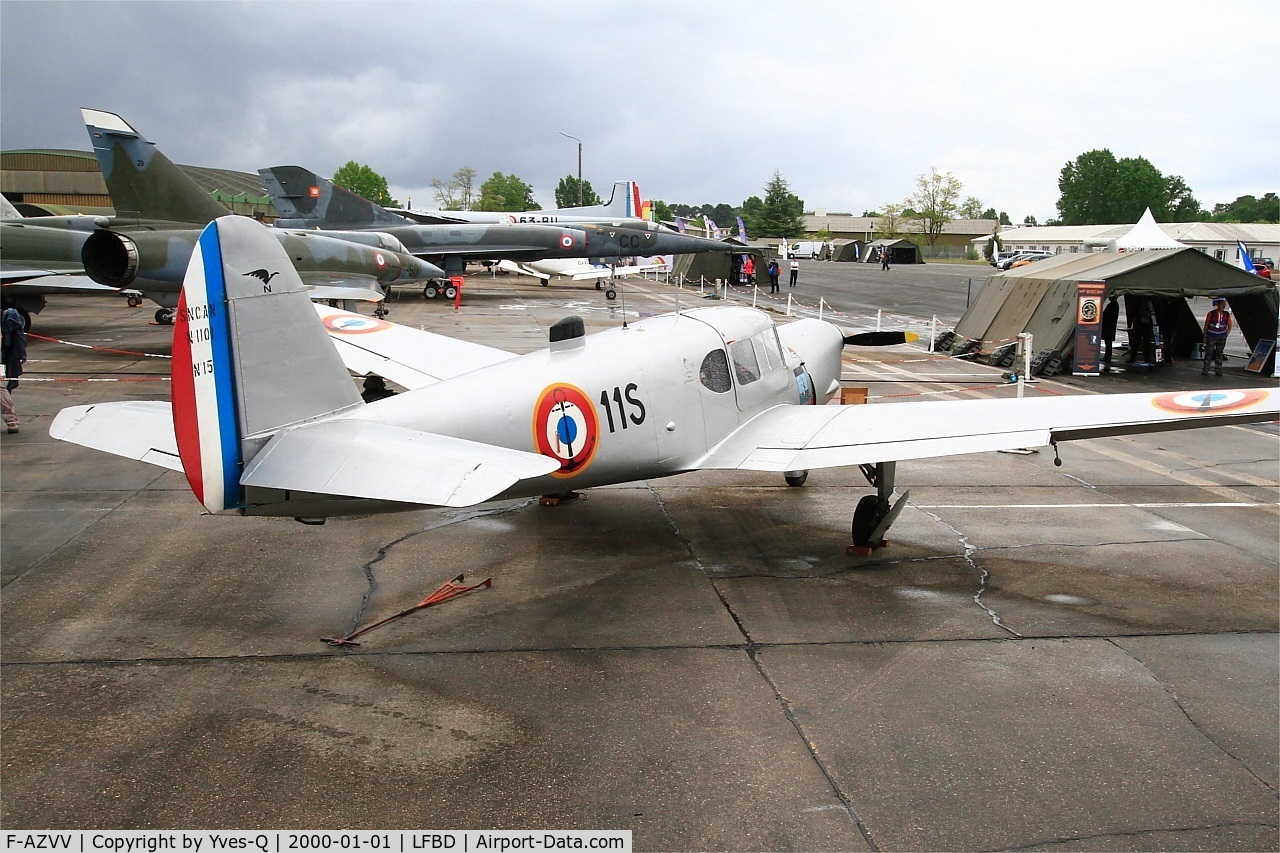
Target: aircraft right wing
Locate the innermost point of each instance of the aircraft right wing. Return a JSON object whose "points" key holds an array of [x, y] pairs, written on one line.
{"points": [[797, 438], [407, 356]]}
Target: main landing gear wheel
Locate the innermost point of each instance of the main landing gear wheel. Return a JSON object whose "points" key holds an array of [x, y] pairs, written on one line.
{"points": [[430, 291], [611, 294], [795, 478], [164, 316], [135, 301], [864, 520], [450, 291]]}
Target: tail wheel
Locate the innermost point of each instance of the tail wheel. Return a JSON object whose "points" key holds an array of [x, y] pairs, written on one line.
{"points": [[795, 478], [450, 292], [864, 519]]}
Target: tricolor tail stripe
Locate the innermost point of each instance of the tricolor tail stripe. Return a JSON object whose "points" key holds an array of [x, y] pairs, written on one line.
{"points": [[204, 410]]}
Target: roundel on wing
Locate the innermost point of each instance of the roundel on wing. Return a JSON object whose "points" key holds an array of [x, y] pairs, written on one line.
{"points": [[1208, 402], [566, 428], [354, 324]]}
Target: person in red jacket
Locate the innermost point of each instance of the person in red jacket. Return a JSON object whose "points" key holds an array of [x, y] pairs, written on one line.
{"points": [[1217, 325]]}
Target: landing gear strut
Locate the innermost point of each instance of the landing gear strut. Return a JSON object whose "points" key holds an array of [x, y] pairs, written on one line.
{"points": [[874, 513]]}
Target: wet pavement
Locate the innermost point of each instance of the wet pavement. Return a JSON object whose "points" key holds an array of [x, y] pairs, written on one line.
{"points": [[1083, 657]]}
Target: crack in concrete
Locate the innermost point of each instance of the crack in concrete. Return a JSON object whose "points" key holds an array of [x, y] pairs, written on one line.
{"points": [[983, 575], [383, 551], [1177, 704], [1136, 833]]}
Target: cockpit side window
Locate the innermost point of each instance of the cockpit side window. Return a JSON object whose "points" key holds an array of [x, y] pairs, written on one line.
{"points": [[768, 353], [714, 373], [745, 365]]}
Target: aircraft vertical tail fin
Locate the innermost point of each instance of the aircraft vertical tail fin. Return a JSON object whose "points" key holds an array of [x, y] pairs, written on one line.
{"points": [[142, 182], [304, 199], [249, 357]]}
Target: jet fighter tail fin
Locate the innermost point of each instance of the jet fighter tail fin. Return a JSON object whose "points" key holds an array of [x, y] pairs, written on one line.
{"points": [[305, 200], [249, 358], [142, 182]]}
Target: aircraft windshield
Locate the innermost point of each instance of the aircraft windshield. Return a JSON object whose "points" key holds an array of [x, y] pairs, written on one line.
{"points": [[714, 373], [745, 365]]}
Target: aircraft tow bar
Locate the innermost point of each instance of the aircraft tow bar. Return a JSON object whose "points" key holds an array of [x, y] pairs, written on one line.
{"points": [[448, 590]]}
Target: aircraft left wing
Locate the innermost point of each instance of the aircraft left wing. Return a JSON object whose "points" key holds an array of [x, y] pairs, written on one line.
{"points": [[797, 438], [366, 459], [407, 356]]}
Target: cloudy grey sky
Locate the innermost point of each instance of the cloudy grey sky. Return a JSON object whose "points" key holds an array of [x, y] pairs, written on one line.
{"points": [[698, 100]]}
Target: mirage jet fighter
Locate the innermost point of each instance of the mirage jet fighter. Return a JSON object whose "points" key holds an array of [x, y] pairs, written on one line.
{"points": [[265, 419], [160, 212], [305, 200]]}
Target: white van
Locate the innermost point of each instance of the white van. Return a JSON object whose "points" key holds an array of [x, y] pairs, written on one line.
{"points": [[807, 249]]}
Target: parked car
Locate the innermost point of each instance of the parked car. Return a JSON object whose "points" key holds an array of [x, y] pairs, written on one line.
{"points": [[1023, 256]]}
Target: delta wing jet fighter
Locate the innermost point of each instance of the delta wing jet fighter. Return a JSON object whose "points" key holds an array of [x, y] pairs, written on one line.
{"points": [[265, 419], [624, 204], [305, 200], [160, 212]]}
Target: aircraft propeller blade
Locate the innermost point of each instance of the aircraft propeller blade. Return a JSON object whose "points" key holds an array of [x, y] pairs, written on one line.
{"points": [[880, 339]]}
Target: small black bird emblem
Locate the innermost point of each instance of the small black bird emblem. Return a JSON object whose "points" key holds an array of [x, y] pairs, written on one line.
{"points": [[265, 277]]}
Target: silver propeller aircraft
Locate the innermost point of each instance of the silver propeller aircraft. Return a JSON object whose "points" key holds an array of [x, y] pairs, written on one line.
{"points": [[265, 419]]}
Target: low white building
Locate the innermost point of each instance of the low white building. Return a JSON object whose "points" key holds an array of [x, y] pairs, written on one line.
{"points": [[1216, 239]]}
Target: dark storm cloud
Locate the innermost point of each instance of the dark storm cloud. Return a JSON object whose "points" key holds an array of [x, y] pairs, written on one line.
{"points": [[698, 101]]}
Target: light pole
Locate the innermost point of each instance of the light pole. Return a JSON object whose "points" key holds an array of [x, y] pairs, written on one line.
{"points": [[579, 141]]}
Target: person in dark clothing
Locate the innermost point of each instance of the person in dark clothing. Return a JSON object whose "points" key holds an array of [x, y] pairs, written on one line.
{"points": [[1110, 318], [884, 259], [13, 345], [375, 388], [774, 271]]}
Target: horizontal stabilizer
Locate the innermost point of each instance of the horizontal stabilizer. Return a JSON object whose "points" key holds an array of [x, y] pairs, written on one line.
{"points": [[794, 438], [330, 291], [137, 429], [364, 459], [407, 356]]}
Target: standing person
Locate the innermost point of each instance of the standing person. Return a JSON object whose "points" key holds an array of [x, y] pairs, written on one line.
{"points": [[774, 272], [1217, 325], [795, 270], [13, 345], [1110, 319], [749, 270], [884, 257]]}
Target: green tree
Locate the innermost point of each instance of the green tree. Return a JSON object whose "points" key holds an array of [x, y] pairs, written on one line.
{"points": [[780, 214], [506, 193], [662, 211], [364, 182], [971, 208], [1098, 189], [1004, 218], [1029, 220], [989, 213], [936, 201], [1248, 208], [458, 193], [891, 221], [567, 193]]}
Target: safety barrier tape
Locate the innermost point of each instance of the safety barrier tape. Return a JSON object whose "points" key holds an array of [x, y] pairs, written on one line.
{"points": [[99, 349]]}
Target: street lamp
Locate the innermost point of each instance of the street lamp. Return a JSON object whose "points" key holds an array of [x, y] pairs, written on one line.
{"points": [[579, 141]]}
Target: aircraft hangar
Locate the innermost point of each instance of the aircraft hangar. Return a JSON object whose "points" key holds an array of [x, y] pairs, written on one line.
{"points": [[56, 181]]}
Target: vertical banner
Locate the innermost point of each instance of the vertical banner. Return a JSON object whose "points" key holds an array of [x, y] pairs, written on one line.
{"points": [[1087, 361]]}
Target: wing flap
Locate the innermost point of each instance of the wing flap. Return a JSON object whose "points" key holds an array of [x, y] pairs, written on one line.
{"points": [[794, 438], [407, 356], [136, 429], [366, 459]]}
